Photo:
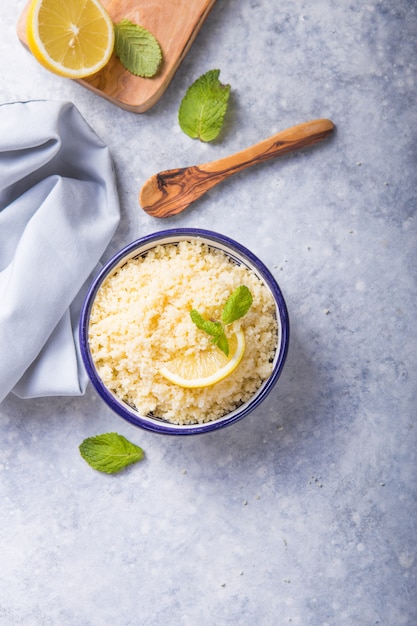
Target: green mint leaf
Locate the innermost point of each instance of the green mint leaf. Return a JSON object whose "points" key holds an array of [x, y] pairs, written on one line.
{"points": [[204, 106], [221, 342], [237, 305], [110, 452], [138, 50], [211, 328]]}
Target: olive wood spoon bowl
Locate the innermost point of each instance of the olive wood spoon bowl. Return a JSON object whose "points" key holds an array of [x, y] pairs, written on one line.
{"points": [[172, 191]]}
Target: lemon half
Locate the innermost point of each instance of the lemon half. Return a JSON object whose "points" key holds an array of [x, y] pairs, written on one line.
{"points": [[73, 38], [206, 367]]}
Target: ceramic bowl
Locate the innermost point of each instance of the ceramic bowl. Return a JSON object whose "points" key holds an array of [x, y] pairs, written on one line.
{"points": [[240, 255]]}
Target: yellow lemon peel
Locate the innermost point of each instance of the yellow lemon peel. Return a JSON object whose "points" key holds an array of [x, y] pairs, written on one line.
{"points": [[72, 38], [206, 367]]}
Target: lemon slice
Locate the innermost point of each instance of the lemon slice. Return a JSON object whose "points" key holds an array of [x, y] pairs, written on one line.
{"points": [[206, 367], [73, 38]]}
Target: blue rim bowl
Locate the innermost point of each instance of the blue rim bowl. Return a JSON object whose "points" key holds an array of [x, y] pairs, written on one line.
{"points": [[239, 254]]}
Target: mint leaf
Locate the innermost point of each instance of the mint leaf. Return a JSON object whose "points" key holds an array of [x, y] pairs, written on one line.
{"points": [[215, 329], [110, 452], [221, 342], [204, 106], [237, 305], [211, 328], [138, 50]]}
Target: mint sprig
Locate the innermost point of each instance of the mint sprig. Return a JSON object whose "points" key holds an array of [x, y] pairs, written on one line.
{"points": [[110, 452], [236, 306], [138, 50], [204, 106]]}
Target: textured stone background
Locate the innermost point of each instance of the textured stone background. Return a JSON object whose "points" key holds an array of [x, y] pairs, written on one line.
{"points": [[305, 512]]}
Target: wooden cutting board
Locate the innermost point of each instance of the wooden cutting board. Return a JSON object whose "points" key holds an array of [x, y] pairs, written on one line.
{"points": [[174, 23]]}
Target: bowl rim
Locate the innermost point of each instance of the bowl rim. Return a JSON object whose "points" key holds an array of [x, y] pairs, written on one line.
{"points": [[236, 251]]}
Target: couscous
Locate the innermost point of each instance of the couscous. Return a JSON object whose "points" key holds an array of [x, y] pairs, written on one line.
{"points": [[141, 319]]}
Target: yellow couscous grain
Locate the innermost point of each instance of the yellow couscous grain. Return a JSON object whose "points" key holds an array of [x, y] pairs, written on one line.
{"points": [[140, 320]]}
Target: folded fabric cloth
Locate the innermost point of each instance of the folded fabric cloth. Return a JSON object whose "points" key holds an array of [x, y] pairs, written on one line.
{"points": [[59, 208]]}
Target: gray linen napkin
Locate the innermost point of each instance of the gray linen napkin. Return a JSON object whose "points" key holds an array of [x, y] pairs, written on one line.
{"points": [[59, 208]]}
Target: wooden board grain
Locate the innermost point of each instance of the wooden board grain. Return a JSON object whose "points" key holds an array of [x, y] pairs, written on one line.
{"points": [[174, 23]]}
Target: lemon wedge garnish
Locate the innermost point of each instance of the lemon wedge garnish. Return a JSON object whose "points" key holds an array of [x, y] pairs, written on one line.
{"points": [[73, 38], [206, 367]]}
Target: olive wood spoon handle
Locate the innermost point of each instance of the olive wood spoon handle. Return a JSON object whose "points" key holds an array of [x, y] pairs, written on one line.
{"points": [[172, 191]]}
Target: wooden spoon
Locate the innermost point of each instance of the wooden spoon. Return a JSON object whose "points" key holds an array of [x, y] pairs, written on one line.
{"points": [[172, 191]]}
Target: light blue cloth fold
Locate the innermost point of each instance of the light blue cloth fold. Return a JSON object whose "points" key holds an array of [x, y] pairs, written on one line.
{"points": [[59, 208]]}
